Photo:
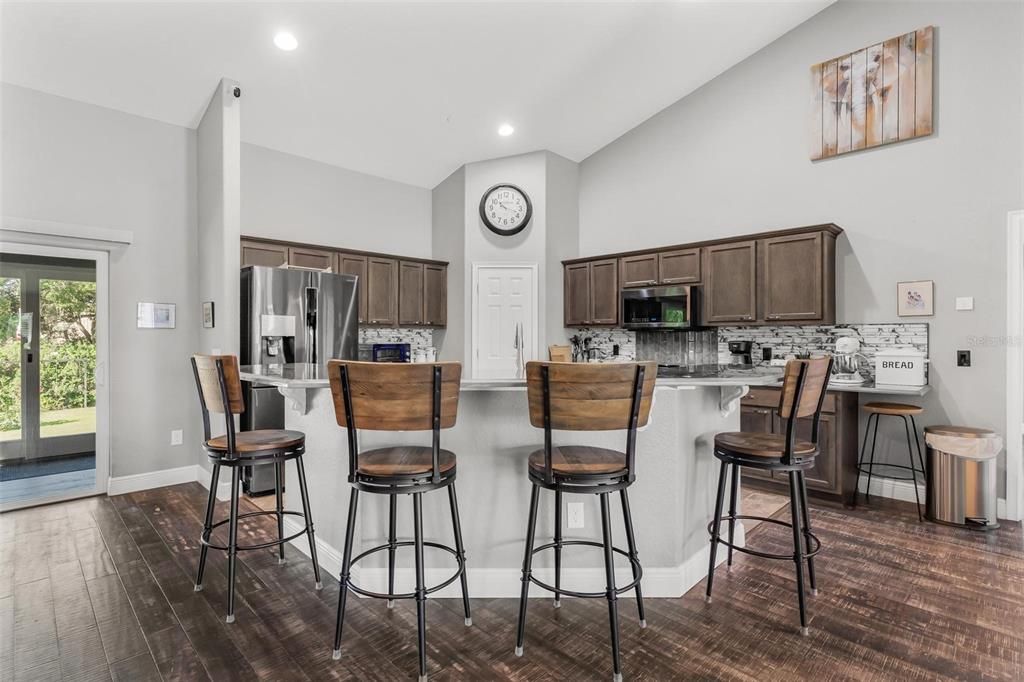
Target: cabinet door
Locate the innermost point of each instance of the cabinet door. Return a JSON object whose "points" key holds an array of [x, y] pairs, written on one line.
{"points": [[435, 295], [311, 259], [730, 291], [679, 267], [604, 291], [350, 264], [576, 298], [381, 291], [638, 271], [824, 475], [261, 253], [756, 420], [792, 285], [410, 293]]}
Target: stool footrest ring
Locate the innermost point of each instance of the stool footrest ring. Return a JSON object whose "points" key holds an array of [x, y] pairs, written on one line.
{"points": [[589, 595], [204, 538], [407, 595], [815, 542], [868, 468]]}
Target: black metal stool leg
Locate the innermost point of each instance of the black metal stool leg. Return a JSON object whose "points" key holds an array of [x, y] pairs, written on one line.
{"points": [[913, 469], [346, 564], [609, 568], [392, 537], [233, 542], [860, 460], [715, 529], [871, 465], [278, 483], [917, 442], [798, 546], [733, 493], [558, 548], [531, 527], [627, 516], [462, 552], [807, 533], [307, 516], [421, 589], [207, 524]]}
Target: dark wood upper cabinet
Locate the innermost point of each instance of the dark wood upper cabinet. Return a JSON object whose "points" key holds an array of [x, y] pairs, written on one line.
{"points": [[351, 264], [730, 286], [679, 267], [797, 278], [576, 294], [381, 291], [638, 271], [311, 259], [260, 253], [604, 291], [410, 293], [435, 295]]}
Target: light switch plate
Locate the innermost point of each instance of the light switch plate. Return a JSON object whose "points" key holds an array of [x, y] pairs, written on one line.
{"points": [[176, 437], [965, 303]]}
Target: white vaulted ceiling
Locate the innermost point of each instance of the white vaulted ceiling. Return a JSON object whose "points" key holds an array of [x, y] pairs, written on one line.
{"points": [[406, 91]]}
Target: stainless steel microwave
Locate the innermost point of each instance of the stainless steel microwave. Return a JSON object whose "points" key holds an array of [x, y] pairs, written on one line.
{"points": [[668, 307]]}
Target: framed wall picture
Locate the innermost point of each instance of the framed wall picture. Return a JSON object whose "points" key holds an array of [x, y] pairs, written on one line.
{"points": [[208, 321], [915, 299], [155, 316]]}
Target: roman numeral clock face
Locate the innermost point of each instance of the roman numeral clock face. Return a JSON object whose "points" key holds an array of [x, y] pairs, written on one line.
{"points": [[505, 209]]}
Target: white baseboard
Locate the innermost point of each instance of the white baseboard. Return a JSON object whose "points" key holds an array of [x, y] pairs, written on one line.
{"points": [[119, 485], [486, 583], [892, 488]]}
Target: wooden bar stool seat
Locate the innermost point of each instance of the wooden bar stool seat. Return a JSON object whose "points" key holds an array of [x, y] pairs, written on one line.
{"points": [[371, 396], [579, 460], [220, 391], [894, 409], [586, 397], [259, 442], [406, 460], [895, 471], [763, 445], [803, 393]]}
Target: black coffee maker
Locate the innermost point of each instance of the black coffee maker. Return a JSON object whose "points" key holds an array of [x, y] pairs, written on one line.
{"points": [[740, 353]]}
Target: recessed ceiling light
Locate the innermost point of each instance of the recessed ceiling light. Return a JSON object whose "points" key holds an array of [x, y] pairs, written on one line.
{"points": [[505, 130], [286, 41]]}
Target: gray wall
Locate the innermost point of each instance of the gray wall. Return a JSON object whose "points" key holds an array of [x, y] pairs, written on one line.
{"points": [[732, 158], [76, 163], [563, 234], [289, 197], [448, 241]]}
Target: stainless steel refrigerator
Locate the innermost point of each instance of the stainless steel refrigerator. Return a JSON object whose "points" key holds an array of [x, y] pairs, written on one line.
{"points": [[290, 316]]}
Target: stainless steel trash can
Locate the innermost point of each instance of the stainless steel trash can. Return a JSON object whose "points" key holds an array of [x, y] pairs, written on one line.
{"points": [[962, 476]]}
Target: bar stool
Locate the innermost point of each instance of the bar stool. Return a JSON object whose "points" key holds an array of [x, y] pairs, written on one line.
{"points": [[220, 390], [399, 397], [907, 414], [803, 392], [586, 397]]}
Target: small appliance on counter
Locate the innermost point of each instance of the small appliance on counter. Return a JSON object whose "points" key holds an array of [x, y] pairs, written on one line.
{"points": [[846, 365], [741, 353], [391, 352], [900, 367]]}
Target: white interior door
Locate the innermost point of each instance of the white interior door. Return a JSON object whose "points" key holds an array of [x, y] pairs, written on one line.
{"points": [[504, 320]]}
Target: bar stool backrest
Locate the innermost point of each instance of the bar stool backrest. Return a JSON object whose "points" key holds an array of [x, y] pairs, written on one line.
{"points": [[804, 383], [383, 396], [220, 391]]}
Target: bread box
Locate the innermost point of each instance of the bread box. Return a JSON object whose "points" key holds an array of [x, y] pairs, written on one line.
{"points": [[901, 367]]}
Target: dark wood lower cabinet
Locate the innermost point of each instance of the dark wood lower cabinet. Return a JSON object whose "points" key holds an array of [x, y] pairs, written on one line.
{"points": [[834, 474]]}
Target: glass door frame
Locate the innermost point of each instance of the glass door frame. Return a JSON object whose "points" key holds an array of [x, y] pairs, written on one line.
{"points": [[102, 332]]}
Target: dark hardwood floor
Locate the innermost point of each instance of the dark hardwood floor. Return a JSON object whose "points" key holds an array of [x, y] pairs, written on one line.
{"points": [[102, 589]]}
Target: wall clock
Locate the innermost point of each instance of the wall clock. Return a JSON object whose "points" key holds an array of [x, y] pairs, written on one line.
{"points": [[505, 209]]}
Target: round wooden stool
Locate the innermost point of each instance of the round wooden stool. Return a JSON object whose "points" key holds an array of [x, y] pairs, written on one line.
{"points": [[906, 413]]}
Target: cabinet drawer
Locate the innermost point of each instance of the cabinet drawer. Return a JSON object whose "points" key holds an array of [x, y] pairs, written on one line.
{"points": [[760, 396]]}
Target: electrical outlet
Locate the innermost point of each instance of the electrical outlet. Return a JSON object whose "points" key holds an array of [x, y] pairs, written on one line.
{"points": [[575, 514], [963, 358], [176, 437]]}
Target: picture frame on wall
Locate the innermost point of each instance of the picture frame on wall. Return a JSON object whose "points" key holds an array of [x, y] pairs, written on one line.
{"points": [[155, 316], [915, 299], [208, 319]]}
